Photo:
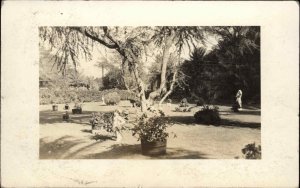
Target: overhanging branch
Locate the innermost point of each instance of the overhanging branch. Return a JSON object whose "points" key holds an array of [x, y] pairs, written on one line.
{"points": [[86, 33]]}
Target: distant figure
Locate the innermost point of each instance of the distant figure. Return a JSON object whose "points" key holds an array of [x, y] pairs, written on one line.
{"points": [[239, 98], [102, 100]]}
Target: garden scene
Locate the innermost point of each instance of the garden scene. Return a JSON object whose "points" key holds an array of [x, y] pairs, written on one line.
{"points": [[150, 92]]}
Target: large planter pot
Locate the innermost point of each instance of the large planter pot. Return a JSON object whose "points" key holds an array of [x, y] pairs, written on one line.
{"points": [[154, 148], [77, 111], [54, 107]]}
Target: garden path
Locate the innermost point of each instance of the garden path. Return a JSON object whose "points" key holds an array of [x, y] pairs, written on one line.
{"points": [[73, 139]]}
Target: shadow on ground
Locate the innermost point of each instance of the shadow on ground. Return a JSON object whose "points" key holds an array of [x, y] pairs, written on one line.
{"points": [[243, 112], [57, 148], [60, 148], [119, 151], [190, 121], [235, 123], [51, 117]]}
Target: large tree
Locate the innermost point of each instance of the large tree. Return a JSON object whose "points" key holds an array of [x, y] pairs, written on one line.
{"points": [[132, 45], [234, 63]]}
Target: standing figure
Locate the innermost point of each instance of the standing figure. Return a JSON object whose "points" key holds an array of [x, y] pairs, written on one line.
{"points": [[103, 102], [118, 123], [239, 98]]}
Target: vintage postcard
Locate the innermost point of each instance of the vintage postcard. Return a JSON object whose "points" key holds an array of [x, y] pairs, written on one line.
{"points": [[149, 94]]}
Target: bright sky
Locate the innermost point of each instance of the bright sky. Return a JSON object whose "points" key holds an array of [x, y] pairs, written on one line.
{"points": [[90, 68]]}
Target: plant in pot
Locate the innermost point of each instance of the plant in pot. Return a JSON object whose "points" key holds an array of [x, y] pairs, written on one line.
{"points": [[66, 116], [66, 106], [54, 105], [151, 131], [77, 108]]}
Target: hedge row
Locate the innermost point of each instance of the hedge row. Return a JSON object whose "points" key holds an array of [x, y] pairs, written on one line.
{"points": [[49, 96]]}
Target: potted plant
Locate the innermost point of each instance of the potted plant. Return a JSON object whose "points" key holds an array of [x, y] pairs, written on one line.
{"points": [[66, 116], [151, 131], [77, 109], [66, 106], [54, 105]]}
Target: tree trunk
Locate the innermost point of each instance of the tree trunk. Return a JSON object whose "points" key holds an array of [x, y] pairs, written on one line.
{"points": [[141, 88], [170, 90], [165, 58]]}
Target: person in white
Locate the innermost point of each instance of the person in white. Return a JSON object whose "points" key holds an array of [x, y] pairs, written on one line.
{"points": [[102, 100], [118, 123], [239, 98]]}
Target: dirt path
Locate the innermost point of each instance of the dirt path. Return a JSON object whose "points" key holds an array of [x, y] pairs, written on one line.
{"points": [[73, 140]]}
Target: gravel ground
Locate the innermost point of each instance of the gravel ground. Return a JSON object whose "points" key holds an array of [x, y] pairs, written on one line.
{"points": [[74, 140]]}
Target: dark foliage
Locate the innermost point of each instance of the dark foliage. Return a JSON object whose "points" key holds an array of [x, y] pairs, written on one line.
{"points": [[200, 102], [251, 151], [233, 64], [208, 115]]}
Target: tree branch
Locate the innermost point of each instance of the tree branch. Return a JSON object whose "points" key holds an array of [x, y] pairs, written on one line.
{"points": [[86, 33]]}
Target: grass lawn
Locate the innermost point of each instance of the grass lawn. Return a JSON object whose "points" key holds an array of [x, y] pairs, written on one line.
{"points": [[74, 140]]}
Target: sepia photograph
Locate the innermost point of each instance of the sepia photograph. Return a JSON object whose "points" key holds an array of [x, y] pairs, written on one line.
{"points": [[150, 92]]}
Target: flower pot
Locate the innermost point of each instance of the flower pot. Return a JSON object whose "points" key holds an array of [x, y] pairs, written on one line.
{"points": [[54, 107], [77, 110], [154, 148], [66, 117], [66, 107]]}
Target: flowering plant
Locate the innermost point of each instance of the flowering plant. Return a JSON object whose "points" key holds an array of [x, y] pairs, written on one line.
{"points": [[251, 151], [102, 121], [151, 126]]}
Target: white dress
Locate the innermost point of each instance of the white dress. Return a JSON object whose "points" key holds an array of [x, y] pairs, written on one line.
{"points": [[239, 98]]}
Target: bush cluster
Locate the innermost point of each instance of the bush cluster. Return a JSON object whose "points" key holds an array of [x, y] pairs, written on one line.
{"points": [[208, 115], [251, 151], [59, 96], [112, 98]]}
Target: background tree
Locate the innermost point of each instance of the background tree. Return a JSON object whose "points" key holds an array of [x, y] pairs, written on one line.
{"points": [[234, 63], [130, 43]]}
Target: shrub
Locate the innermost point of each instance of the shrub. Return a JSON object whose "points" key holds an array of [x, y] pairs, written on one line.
{"points": [[208, 115], [200, 101], [71, 95], [112, 98], [251, 151], [183, 103]]}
